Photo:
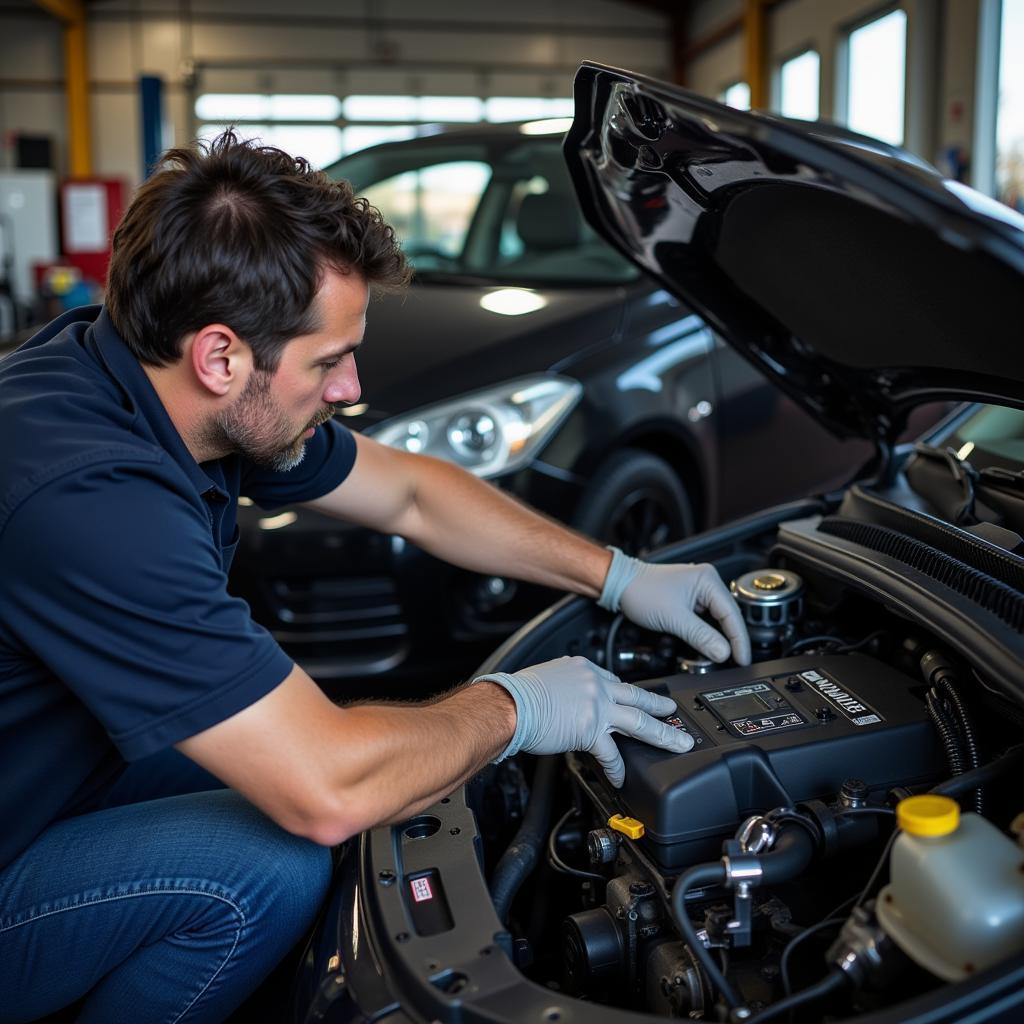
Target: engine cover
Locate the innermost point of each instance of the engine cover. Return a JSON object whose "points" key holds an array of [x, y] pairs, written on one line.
{"points": [[773, 734]]}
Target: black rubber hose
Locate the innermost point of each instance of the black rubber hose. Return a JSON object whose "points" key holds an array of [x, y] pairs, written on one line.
{"points": [[832, 982], [972, 757], [943, 723], [941, 676], [697, 878], [524, 851], [792, 852], [960, 784]]}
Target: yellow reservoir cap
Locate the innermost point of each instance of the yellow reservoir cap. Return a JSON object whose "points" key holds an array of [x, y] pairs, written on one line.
{"points": [[627, 826], [928, 815]]}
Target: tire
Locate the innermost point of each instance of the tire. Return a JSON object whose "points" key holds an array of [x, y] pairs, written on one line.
{"points": [[635, 501]]}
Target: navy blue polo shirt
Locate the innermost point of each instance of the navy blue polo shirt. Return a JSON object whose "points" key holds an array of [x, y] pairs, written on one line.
{"points": [[118, 636]]}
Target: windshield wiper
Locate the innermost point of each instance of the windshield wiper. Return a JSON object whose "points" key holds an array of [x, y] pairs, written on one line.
{"points": [[1006, 479], [963, 474]]}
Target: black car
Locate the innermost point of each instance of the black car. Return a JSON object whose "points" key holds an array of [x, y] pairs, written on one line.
{"points": [[887, 621], [536, 355]]}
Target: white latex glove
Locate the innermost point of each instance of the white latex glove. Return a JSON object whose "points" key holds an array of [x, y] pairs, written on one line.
{"points": [[573, 704], [666, 598]]}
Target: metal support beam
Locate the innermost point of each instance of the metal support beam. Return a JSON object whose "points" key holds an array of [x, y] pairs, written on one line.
{"points": [[76, 75], [755, 45]]}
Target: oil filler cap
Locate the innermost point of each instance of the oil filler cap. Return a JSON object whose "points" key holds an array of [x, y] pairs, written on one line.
{"points": [[627, 826], [928, 815]]}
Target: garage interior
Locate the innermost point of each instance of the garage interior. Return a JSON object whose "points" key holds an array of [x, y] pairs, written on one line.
{"points": [[768, 336], [98, 89]]}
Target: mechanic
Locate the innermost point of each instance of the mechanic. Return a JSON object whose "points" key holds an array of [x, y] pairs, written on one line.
{"points": [[150, 886]]}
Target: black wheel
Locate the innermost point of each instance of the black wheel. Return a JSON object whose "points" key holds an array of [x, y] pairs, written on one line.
{"points": [[636, 502]]}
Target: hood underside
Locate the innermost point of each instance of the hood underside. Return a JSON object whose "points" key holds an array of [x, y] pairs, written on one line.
{"points": [[853, 275]]}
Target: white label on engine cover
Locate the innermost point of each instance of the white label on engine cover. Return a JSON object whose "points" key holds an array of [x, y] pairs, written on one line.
{"points": [[853, 709], [421, 891]]}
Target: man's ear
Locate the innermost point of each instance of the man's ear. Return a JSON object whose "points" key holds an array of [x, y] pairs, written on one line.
{"points": [[219, 358]]}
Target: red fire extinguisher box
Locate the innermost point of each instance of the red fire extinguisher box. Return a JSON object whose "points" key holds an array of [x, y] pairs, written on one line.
{"points": [[90, 209]]}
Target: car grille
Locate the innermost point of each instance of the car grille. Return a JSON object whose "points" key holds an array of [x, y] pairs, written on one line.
{"points": [[338, 626]]}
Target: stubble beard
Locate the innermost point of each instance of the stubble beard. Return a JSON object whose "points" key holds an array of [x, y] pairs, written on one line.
{"points": [[255, 428]]}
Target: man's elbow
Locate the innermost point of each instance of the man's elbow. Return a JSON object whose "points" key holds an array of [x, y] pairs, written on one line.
{"points": [[331, 822]]}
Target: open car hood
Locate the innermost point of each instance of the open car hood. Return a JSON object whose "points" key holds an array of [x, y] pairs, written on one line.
{"points": [[852, 274]]}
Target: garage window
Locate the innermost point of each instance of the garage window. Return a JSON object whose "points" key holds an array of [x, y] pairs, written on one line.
{"points": [[431, 208], [320, 144], [1010, 110], [736, 95], [324, 128], [796, 86], [875, 77], [444, 109], [221, 106], [526, 108]]}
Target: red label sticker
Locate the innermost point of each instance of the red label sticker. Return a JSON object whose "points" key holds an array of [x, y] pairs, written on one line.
{"points": [[421, 890]]}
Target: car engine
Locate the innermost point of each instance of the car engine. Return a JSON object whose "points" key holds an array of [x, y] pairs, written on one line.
{"points": [[843, 840], [730, 877]]}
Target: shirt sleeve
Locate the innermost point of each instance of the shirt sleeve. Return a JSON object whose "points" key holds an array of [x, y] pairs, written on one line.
{"points": [[330, 456], [112, 580]]}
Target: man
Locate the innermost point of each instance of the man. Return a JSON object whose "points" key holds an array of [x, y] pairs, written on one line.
{"points": [[236, 301]]}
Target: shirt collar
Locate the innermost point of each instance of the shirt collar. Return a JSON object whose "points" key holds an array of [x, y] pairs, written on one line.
{"points": [[103, 341]]}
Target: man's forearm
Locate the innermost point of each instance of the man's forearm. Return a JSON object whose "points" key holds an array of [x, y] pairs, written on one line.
{"points": [[399, 759], [463, 520]]}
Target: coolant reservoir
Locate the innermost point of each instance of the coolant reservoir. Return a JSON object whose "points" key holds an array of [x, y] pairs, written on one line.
{"points": [[955, 900]]}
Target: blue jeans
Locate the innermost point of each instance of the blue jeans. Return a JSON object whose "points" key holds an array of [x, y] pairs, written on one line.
{"points": [[154, 907]]}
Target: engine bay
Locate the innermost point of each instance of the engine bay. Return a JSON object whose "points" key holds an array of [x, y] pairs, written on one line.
{"points": [[726, 879], [749, 878]]}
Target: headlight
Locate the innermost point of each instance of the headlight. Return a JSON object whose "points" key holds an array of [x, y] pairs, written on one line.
{"points": [[487, 432]]}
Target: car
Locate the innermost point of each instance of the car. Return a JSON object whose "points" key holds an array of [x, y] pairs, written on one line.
{"points": [[763, 873], [536, 355]]}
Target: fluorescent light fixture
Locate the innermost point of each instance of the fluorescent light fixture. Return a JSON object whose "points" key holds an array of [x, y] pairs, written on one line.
{"points": [[513, 301]]}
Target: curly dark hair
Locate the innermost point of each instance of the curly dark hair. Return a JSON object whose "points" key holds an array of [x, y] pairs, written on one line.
{"points": [[239, 233]]}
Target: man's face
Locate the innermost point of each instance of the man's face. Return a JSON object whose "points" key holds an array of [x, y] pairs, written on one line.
{"points": [[276, 413]]}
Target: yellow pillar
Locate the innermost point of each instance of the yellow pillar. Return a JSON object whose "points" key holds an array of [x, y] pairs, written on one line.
{"points": [[76, 77], [755, 43]]}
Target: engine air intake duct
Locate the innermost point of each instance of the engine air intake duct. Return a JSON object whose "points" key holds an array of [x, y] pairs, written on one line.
{"points": [[775, 734]]}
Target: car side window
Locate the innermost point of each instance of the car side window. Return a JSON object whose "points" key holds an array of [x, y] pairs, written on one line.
{"points": [[510, 244], [431, 208]]}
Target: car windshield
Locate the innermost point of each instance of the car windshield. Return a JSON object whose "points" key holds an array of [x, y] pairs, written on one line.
{"points": [[992, 436], [499, 211]]}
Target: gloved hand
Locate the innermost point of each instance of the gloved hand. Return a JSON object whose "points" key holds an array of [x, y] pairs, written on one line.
{"points": [[666, 598], [572, 704]]}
